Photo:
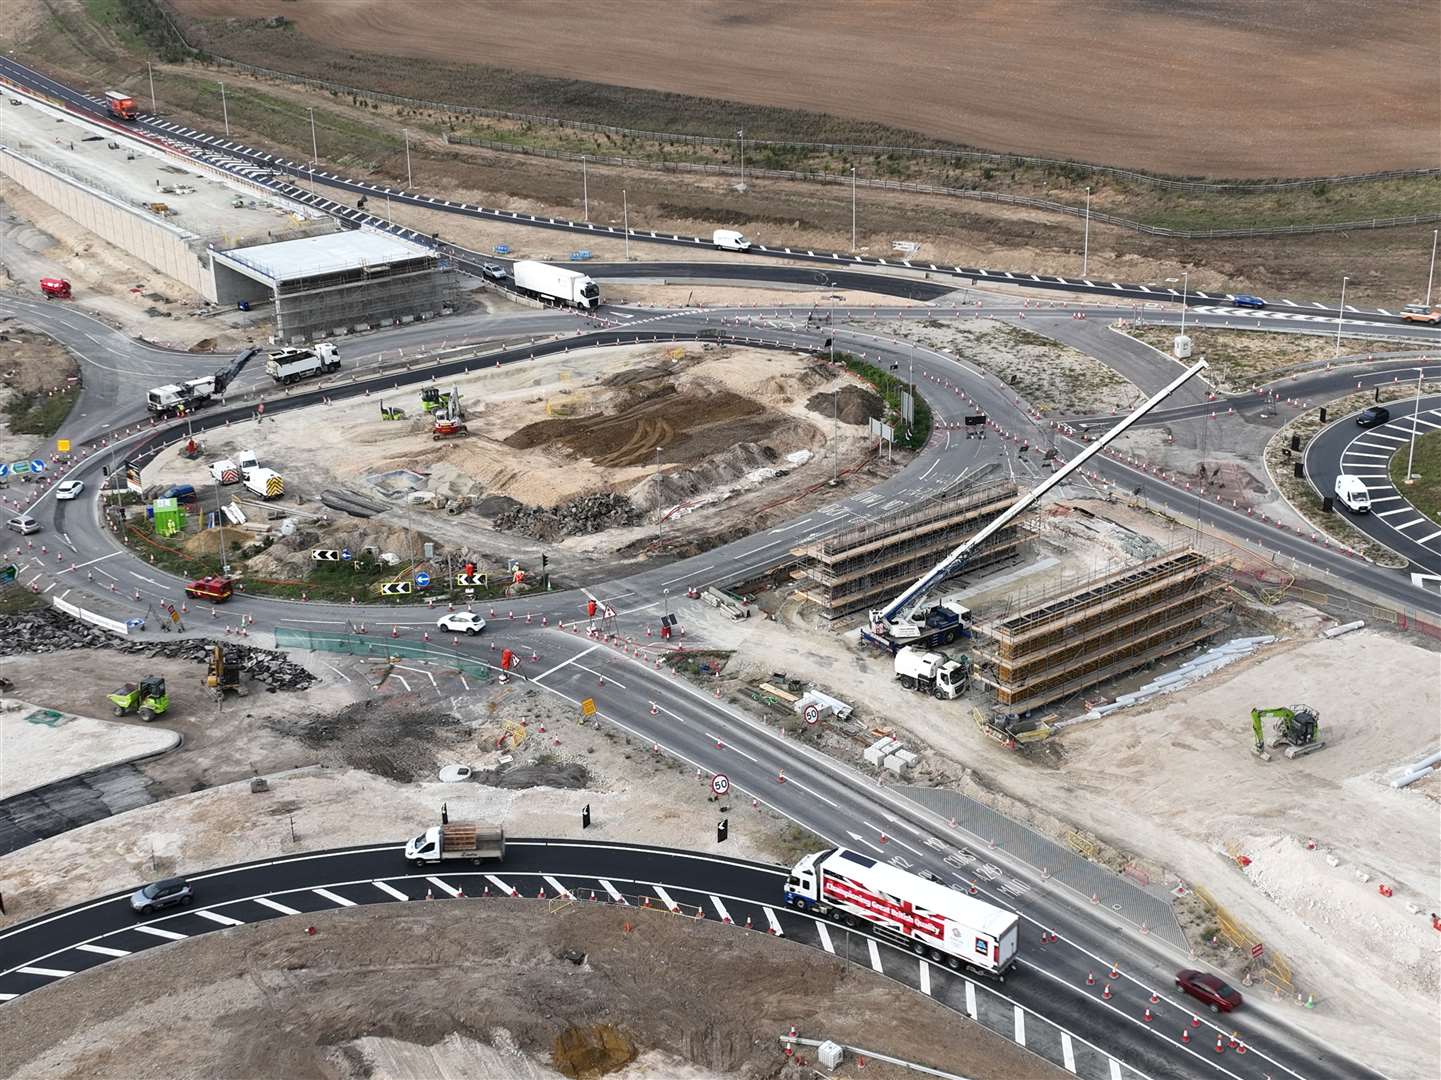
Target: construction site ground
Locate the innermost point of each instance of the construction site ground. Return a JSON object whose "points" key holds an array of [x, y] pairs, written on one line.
{"points": [[43, 745], [1134, 780], [32, 366], [501, 989], [728, 422]]}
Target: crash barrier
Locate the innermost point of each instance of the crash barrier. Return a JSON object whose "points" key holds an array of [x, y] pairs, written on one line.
{"points": [[115, 626], [384, 648], [1275, 972]]}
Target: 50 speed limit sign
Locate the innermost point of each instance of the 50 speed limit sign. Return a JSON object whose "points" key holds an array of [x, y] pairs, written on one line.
{"points": [[812, 714], [720, 783]]}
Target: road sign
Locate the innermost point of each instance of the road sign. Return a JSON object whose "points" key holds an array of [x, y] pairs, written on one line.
{"points": [[132, 478], [976, 421], [813, 714], [470, 580], [394, 588], [502, 249], [4, 470], [1256, 951], [720, 783], [587, 707], [422, 580], [325, 554], [19, 468], [722, 829], [345, 554], [37, 466], [8, 573], [62, 446]]}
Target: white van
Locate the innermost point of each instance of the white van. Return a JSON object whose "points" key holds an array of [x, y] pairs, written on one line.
{"points": [[730, 240], [1353, 494]]}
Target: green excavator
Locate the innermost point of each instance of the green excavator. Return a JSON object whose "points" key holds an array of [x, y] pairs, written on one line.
{"points": [[1298, 729], [147, 697]]}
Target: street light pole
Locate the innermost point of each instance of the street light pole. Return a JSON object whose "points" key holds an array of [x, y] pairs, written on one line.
{"points": [[1431, 275], [625, 221], [224, 110], [1185, 284], [1415, 412], [585, 187], [151, 72], [408, 181], [1341, 311], [314, 150], [659, 515], [853, 209], [1086, 248], [741, 134]]}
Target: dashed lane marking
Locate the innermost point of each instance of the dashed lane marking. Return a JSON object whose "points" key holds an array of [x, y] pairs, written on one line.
{"points": [[334, 898], [276, 905]]}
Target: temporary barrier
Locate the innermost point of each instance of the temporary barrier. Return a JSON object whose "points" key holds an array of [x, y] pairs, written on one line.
{"points": [[354, 645]]}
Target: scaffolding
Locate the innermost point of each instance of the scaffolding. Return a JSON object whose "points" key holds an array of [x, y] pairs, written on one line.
{"points": [[1074, 637], [874, 560]]}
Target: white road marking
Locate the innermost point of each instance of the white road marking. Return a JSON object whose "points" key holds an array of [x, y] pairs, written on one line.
{"points": [[665, 898], [1428, 539], [392, 891], [334, 898], [695, 573], [925, 978], [970, 999], [1068, 1052], [1020, 1025], [8, 997], [54, 973], [216, 917], [276, 905], [563, 663], [875, 956], [825, 936], [558, 887], [155, 931], [725, 916], [1115, 1069], [614, 893], [1399, 510], [1417, 521], [401, 679], [443, 887], [342, 674], [775, 923], [502, 886], [102, 950]]}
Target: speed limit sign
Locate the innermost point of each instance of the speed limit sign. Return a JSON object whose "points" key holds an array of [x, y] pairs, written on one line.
{"points": [[720, 783], [813, 714]]}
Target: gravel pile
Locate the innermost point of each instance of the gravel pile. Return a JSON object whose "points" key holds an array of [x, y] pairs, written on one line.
{"points": [[580, 517], [47, 630]]}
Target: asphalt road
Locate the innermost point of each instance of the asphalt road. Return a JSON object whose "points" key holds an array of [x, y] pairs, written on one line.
{"points": [[1037, 1005]]}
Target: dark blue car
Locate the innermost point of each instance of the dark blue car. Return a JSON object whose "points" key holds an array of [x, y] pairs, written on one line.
{"points": [[1247, 300]]}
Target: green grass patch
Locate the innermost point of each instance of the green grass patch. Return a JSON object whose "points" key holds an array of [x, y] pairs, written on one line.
{"points": [[38, 412], [889, 387], [15, 599], [1424, 490]]}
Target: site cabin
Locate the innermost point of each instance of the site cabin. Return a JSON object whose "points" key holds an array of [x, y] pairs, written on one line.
{"points": [[457, 840], [215, 589], [931, 920], [55, 288], [288, 365], [120, 106]]}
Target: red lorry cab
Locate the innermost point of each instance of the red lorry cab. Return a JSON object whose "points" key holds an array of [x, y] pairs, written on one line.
{"points": [[215, 588]]}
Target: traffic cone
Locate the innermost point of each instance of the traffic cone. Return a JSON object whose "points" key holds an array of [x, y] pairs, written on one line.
{"points": [[1146, 1016], [1106, 992], [1185, 1035], [1220, 1044], [485, 891], [1114, 973], [781, 777], [1154, 998], [429, 895], [1240, 1048], [1090, 978], [653, 709], [748, 923]]}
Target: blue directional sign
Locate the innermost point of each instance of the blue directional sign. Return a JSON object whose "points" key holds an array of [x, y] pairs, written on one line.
{"points": [[4, 470], [37, 466], [422, 580], [502, 249], [345, 554]]}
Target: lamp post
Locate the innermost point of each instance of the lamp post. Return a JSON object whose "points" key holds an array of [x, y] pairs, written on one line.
{"points": [[1415, 411], [408, 181], [853, 209], [1086, 246], [1341, 311], [625, 221], [151, 72], [585, 188], [1185, 284], [741, 135], [1431, 274], [314, 149], [224, 110]]}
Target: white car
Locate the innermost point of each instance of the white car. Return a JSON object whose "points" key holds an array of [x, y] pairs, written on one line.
{"points": [[467, 622], [69, 489]]}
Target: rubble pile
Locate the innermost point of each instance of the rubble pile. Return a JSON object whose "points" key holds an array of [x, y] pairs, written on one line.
{"points": [[588, 514], [47, 630]]}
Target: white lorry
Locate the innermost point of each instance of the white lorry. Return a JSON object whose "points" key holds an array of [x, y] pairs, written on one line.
{"points": [[180, 397], [556, 283], [456, 840], [267, 483], [730, 240], [933, 672], [287, 365], [927, 917]]}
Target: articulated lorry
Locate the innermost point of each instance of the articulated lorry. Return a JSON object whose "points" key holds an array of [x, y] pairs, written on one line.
{"points": [[934, 921], [556, 283], [457, 840], [288, 365]]}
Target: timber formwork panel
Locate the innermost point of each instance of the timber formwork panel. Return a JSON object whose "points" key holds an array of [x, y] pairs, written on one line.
{"points": [[1068, 640]]}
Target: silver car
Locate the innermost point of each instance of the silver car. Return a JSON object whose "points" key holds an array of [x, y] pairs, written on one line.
{"points": [[24, 524], [160, 894]]}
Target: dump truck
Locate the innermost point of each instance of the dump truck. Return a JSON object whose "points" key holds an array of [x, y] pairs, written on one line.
{"points": [[120, 105], [457, 840], [733, 605], [147, 698], [556, 283], [267, 483], [933, 672], [927, 917], [289, 365]]}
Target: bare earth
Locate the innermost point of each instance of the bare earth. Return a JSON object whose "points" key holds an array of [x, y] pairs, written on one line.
{"points": [[1294, 87]]}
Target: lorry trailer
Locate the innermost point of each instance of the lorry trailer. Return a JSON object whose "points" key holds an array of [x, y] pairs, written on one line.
{"points": [[556, 283], [457, 840], [930, 919], [288, 365], [121, 106]]}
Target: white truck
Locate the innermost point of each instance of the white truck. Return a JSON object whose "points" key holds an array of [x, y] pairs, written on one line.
{"points": [[225, 471], [556, 283], [287, 365], [927, 917], [730, 240], [1353, 493], [180, 397], [933, 672], [267, 483], [457, 840]]}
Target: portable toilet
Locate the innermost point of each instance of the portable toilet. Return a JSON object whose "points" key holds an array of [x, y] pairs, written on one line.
{"points": [[168, 517]]}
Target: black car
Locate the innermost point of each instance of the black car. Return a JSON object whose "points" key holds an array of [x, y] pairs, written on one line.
{"points": [[1376, 414]]}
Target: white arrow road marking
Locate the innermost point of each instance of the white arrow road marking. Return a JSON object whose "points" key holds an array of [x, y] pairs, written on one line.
{"points": [[276, 905], [862, 840], [393, 892]]}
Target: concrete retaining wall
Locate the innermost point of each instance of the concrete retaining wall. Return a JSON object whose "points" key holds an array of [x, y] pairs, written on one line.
{"points": [[172, 251]]}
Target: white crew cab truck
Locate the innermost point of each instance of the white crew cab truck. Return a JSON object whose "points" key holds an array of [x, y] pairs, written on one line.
{"points": [[288, 365]]}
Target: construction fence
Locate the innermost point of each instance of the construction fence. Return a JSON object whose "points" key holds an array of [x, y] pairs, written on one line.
{"points": [[382, 649], [1273, 971]]}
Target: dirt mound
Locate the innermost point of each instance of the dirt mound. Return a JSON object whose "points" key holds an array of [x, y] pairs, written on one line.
{"points": [[581, 517], [569, 777], [396, 740], [678, 487], [593, 1051], [852, 405]]}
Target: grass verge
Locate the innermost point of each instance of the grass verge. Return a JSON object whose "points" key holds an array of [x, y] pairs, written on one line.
{"points": [[38, 412], [1424, 492], [890, 388], [1239, 359]]}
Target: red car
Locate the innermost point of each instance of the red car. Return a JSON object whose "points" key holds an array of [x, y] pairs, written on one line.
{"points": [[1209, 989]]}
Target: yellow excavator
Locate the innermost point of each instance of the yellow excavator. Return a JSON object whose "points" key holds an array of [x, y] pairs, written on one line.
{"points": [[1298, 729], [223, 674]]}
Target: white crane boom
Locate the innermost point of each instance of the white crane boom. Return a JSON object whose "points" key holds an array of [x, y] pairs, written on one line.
{"points": [[884, 620]]}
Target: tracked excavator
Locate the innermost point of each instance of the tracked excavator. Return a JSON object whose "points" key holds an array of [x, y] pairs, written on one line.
{"points": [[1298, 729]]}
